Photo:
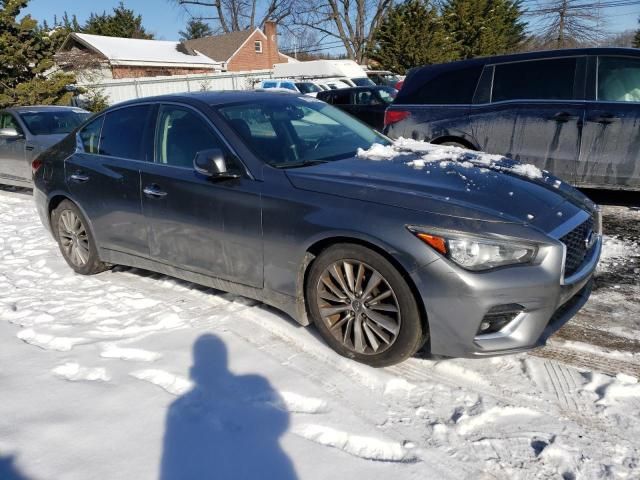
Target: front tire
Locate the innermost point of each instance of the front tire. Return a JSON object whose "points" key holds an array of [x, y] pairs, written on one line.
{"points": [[78, 247], [363, 307]]}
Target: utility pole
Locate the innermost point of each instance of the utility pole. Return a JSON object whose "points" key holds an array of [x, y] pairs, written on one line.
{"points": [[561, 23]]}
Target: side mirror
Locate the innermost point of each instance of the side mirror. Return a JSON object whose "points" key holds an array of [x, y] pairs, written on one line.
{"points": [[10, 132], [212, 164]]}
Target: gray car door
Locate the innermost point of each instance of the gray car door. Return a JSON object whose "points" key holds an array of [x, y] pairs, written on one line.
{"points": [[196, 223], [610, 151], [12, 151]]}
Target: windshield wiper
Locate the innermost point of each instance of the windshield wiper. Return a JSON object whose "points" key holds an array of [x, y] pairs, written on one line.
{"points": [[305, 163]]}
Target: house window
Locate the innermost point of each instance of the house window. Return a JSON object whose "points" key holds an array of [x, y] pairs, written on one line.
{"points": [[258, 46]]}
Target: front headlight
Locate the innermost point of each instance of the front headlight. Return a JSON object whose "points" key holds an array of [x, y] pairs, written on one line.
{"points": [[477, 253]]}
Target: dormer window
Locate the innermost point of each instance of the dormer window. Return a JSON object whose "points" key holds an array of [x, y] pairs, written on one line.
{"points": [[258, 46]]}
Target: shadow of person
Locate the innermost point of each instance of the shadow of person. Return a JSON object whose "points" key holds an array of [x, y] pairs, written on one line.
{"points": [[227, 426], [8, 469]]}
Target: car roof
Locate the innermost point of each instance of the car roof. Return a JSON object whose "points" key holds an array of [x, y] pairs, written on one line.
{"points": [[44, 108], [514, 57], [222, 97]]}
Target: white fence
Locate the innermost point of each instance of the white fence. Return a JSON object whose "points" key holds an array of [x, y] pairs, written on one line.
{"points": [[127, 88]]}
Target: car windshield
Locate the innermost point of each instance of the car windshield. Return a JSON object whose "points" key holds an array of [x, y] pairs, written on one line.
{"points": [[308, 87], [53, 122], [363, 82], [296, 131], [387, 94]]}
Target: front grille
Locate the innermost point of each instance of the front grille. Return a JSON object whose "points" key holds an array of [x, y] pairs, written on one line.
{"points": [[576, 243]]}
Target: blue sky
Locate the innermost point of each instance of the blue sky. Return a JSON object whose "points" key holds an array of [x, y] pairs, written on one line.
{"points": [[166, 19]]}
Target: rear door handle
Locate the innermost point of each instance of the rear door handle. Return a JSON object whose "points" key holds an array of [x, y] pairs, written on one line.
{"points": [[153, 191], [605, 119], [78, 178], [29, 148], [563, 117]]}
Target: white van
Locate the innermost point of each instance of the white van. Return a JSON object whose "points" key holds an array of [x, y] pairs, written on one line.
{"points": [[347, 71]]}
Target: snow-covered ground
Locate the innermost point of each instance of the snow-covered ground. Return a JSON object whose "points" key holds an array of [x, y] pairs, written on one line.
{"points": [[130, 374]]}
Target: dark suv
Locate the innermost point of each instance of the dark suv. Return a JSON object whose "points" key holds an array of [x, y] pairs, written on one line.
{"points": [[572, 112]]}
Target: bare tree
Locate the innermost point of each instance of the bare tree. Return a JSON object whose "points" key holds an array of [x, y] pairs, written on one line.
{"points": [[350, 23], [236, 15], [566, 23]]}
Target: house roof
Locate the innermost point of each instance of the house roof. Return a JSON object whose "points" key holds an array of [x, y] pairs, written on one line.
{"points": [[221, 47], [133, 51]]}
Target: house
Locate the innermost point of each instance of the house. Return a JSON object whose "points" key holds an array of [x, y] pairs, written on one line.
{"points": [[244, 50], [100, 57]]}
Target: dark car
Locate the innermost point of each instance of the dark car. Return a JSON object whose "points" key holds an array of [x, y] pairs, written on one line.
{"points": [[26, 132], [288, 200], [365, 103], [574, 113]]}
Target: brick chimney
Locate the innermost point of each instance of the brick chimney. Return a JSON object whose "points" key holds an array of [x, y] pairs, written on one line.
{"points": [[271, 32]]}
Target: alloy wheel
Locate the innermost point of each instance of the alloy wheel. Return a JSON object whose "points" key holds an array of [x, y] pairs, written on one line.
{"points": [[73, 238], [358, 306]]}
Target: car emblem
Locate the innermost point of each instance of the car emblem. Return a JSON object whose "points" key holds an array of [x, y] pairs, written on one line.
{"points": [[590, 239]]}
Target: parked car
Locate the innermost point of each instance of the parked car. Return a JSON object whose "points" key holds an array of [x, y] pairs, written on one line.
{"points": [[27, 131], [366, 103], [274, 197], [298, 86], [572, 112], [384, 77]]}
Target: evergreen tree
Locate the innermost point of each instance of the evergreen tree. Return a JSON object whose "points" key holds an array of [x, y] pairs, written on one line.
{"points": [[484, 27], [26, 53], [123, 22], [636, 39], [412, 34], [195, 29]]}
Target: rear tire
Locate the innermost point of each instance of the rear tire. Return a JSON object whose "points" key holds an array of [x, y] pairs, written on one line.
{"points": [[78, 247], [363, 307]]}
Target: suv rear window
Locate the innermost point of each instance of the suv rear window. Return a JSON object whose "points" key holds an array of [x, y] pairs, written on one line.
{"points": [[451, 87], [551, 79]]}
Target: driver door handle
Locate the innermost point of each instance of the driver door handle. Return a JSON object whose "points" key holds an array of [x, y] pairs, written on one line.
{"points": [[605, 118], [153, 191], [78, 178], [563, 117]]}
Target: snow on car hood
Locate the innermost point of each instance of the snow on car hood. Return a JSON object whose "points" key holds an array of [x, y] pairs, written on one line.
{"points": [[447, 180]]}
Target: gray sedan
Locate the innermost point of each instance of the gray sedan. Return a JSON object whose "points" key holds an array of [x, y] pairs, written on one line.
{"points": [[27, 131]]}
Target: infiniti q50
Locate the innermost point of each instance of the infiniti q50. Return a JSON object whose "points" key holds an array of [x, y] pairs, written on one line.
{"points": [[287, 200]]}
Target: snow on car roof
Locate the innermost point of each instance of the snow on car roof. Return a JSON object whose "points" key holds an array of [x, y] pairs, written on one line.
{"points": [[133, 50]]}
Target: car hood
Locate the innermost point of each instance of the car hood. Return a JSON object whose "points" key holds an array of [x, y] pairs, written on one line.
{"points": [[447, 181]]}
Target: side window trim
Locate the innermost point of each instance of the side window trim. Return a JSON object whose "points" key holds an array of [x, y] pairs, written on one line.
{"points": [[209, 124]]}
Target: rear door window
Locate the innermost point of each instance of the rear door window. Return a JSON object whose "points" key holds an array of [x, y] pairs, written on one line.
{"points": [[90, 135], [551, 79], [453, 87], [123, 132], [618, 79]]}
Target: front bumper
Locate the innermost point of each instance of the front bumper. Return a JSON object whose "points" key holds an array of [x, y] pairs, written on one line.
{"points": [[456, 302]]}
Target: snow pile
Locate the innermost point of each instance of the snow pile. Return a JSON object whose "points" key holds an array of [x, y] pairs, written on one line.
{"points": [[74, 372], [173, 384], [357, 445], [443, 155], [49, 342], [113, 351]]}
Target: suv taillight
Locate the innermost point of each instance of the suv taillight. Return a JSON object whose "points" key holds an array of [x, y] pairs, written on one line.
{"points": [[35, 166], [394, 116]]}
